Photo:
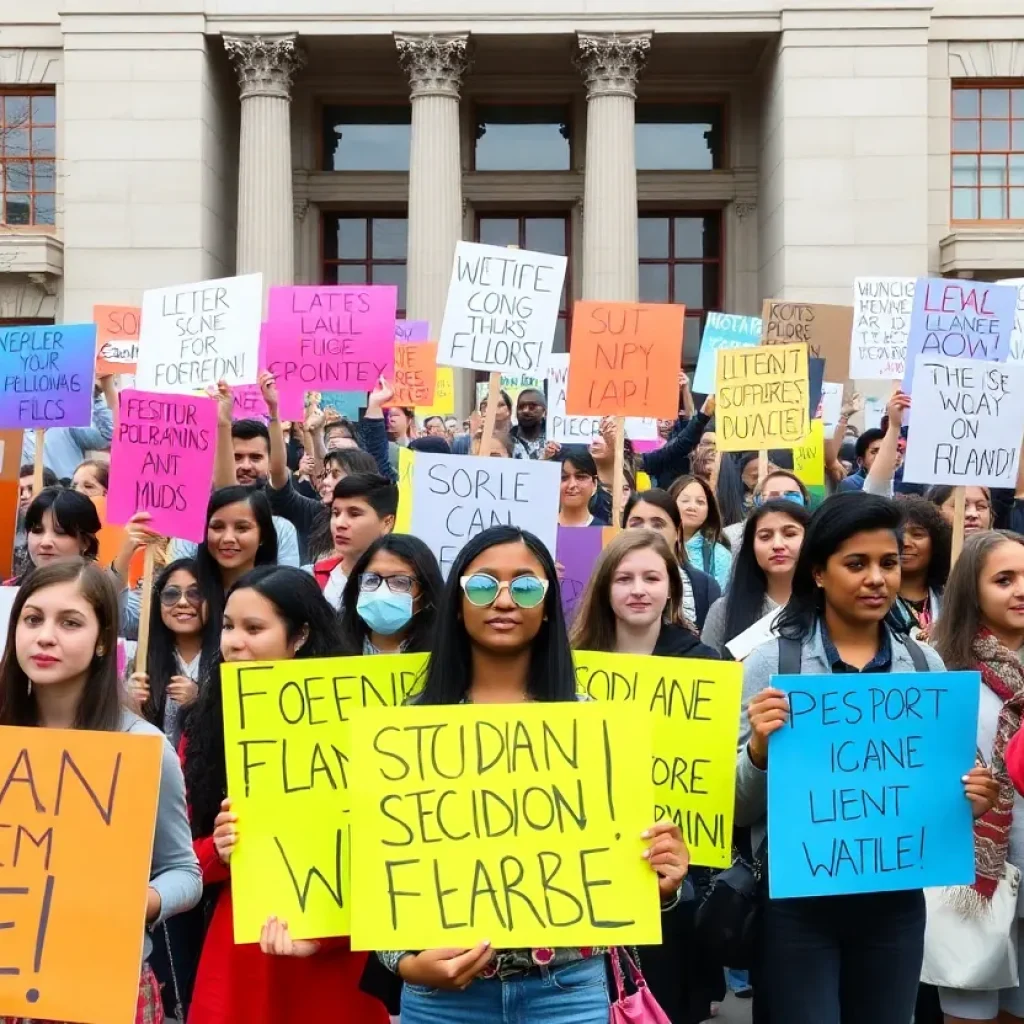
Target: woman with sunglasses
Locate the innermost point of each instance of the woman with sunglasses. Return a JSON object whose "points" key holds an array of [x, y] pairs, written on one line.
{"points": [[778, 485], [501, 639], [390, 601]]}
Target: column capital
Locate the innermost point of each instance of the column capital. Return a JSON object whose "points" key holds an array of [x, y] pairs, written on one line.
{"points": [[611, 63], [265, 65], [435, 64]]}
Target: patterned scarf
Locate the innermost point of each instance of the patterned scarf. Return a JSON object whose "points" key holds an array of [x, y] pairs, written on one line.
{"points": [[1002, 672]]}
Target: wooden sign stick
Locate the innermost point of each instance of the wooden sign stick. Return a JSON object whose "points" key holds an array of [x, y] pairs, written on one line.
{"points": [[146, 610], [959, 510], [762, 465], [37, 466], [618, 472], [716, 469], [493, 397]]}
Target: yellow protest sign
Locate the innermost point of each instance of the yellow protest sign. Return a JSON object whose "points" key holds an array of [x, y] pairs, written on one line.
{"points": [[761, 397], [287, 737], [403, 521], [696, 710], [444, 395], [516, 823], [809, 456]]}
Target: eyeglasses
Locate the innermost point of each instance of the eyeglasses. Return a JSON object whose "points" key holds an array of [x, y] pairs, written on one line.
{"points": [[400, 583], [170, 596], [794, 496], [482, 590]]}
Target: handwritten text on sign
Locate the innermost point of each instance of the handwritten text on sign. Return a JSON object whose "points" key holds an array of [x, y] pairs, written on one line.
{"points": [[722, 330], [824, 329], [117, 338], [519, 824], [77, 813], [287, 735], [415, 373], [578, 549], [502, 309], [968, 423], [455, 497], [1017, 337], [161, 462], [696, 709], [761, 397], [865, 791], [881, 326]]}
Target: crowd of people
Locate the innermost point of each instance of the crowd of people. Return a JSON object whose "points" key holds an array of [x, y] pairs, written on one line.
{"points": [[301, 560]]}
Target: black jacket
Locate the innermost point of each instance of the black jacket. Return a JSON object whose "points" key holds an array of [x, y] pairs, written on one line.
{"points": [[678, 642]]}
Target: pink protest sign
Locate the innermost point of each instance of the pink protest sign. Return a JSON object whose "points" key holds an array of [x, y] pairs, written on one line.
{"points": [[161, 462], [247, 403]]}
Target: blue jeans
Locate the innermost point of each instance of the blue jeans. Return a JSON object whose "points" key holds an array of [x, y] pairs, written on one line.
{"points": [[574, 994]]}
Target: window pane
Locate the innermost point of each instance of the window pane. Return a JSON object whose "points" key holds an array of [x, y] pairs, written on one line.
{"points": [[390, 238], [522, 138], [373, 138], [654, 282], [691, 339], [44, 109], [965, 204], [1017, 169], [350, 273], [348, 239], [966, 136], [965, 103], [653, 238], [17, 208], [993, 170], [688, 286], [1017, 102], [965, 170], [995, 135], [499, 230], [1017, 141], [995, 102], [16, 141], [993, 204], [692, 240], [683, 136], [45, 177], [18, 176], [546, 234], [16, 111], [44, 141], [391, 274], [44, 208], [1017, 203]]}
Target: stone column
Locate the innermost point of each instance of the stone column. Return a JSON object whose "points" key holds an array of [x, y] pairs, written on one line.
{"points": [[266, 219], [610, 65]]}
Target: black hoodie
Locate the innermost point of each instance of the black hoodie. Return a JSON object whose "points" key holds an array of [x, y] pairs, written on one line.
{"points": [[679, 642]]}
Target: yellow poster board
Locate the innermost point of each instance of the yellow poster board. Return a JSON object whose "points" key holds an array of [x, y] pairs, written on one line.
{"points": [[403, 521], [809, 456], [696, 710], [514, 823], [288, 742], [444, 395]]}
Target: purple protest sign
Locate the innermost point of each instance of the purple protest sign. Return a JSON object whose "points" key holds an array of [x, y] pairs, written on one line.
{"points": [[576, 551], [412, 330]]}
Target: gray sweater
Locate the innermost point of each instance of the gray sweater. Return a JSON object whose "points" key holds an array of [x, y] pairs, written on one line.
{"points": [[713, 633]]}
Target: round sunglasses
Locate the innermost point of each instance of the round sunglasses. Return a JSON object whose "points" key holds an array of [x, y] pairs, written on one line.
{"points": [[170, 596], [482, 590]]}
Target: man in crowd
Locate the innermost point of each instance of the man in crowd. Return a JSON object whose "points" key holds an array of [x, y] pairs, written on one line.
{"points": [[529, 435]]}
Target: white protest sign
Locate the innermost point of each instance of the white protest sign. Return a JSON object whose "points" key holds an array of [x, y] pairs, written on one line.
{"points": [[831, 406], [455, 497], [874, 410], [1017, 337], [881, 325], [502, 309], [566, 429], [194, 335], [744, 644], [968, 422]]}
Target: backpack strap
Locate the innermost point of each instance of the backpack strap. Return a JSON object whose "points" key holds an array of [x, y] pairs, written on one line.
{"points": [[790, 656], [917, 655]]}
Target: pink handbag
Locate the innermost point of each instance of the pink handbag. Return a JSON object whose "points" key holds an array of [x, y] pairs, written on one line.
{"points": [[639, 1008]]}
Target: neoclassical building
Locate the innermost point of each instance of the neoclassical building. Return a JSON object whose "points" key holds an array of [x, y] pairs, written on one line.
{"points": [[709, 152]]}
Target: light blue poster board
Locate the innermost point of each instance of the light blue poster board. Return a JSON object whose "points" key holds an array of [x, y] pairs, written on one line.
{"points": [[722, 330], [865, 790]]}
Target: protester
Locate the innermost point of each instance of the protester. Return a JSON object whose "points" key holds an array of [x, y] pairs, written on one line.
{"points": [[977, 506], [577, 489], [92, 478], [26, 484], [866, 451], [60, 524], [778, 484], [501, 446], [60, 672], [434, 426], [701, 519], [529, 435], [924, 566]]}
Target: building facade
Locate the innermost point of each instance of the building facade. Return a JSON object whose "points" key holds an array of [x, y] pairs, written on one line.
{"points": [[708, 152]]}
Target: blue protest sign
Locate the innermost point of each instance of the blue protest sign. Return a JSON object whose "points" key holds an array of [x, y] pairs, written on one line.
{"points": [[864, 783], [344, 403], [47, 376], [722, 330]]}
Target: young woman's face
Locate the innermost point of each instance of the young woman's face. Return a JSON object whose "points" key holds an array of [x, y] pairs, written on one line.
{"points": [[504, 627], [1001, 589], [332, 475], [781, 487], [398, 422], [387, 563], [48, 543], [253, 630], [182, 608], [917, 548], [577, 488], [977, 510], [640, 588], [692, 503], [85, 481], [749, 475], [233, 536], [56, 636], [862, 577], [777, 541], [649, 517]]}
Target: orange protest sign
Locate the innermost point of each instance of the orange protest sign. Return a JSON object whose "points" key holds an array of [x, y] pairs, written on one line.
{"points": [[78, 811], [110, 539], [415, 373], [624, 359], [117, 338], [10, 479]]}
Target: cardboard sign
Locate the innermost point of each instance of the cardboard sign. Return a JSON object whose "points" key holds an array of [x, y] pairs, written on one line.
{"points": [[161, 462], [881, 325], [577, 550], [809, 456], [761, 398], [1017, 336], [47, 376], [823, 328], [194, 335], [865, 790], [696, 709], [722, 330], [968, 423], [79, 811], [288, 740], [117, 338], [444, 395], [516, 823], [458, 496], [415, 373], [959, 319]]}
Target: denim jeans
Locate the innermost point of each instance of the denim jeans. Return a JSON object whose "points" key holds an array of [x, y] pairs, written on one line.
{"points": [[574, 994], [843, 959]]}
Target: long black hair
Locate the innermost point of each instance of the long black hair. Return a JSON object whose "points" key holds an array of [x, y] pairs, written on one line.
{"points": [[551, 676], [730, 491], [74, 513], [836, 520], [921, 512], [744, 602], [420, 631], [298, 600]]}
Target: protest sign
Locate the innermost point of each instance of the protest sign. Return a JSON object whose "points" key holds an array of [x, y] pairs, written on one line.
{"points": [[288, 742], [874, 410], [110, 539], [577, 549], [47, 375], [809, 456], [117, 338], [696, 709], [415, 373], [247, 403], [444, 395], [412, 330], [1017, 336], [722, 330], [968, 423], [959, 319], [78, 809], [406, 461], [625, 359], [823, 328], [161, 462], [815, 384], [459, 496], [10, 487], [744, 644], [865, 790], [761, 398], [501, 310], [832, 406], [513, 384], [881, 325], [345, 403], [517, 823], [566, 429], [194, 335]]}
